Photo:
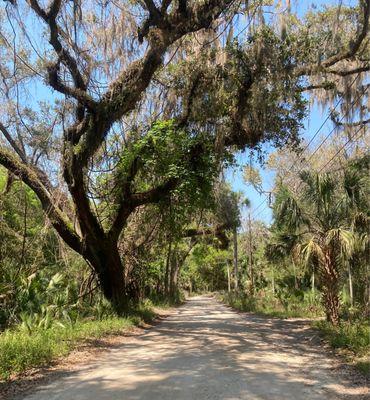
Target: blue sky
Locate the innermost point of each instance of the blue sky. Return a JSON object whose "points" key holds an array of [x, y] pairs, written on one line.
{"points": [[234, 176]]}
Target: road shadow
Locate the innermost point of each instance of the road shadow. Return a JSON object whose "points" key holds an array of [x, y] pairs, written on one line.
{"points": [[207, 351]]}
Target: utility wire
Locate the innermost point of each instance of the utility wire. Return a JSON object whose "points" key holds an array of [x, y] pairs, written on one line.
{"points": [[331, 114], [334, 128], [341, 148], [349, 141], [300, 159]]}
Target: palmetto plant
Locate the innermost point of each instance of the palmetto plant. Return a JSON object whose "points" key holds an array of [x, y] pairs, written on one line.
{"points": [[322, 219], [43, 301]]}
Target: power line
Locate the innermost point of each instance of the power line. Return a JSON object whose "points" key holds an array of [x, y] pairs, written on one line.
{"points": [[300, 159], [331, 113], [341, 148], [324, 166], [334, 128], [350, 140], [259, 205]]}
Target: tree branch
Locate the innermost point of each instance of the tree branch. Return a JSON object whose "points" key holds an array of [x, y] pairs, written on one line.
{"points": [[353, 124], [127, 89], [18, 150], [165, 5], [355, 45], [80, 95], [50, 19], [59, 221], [188, 101], [204, 231], [218, 231], [135, 200], [363, 68], [344, 55], [12, 143], [326, 85]]}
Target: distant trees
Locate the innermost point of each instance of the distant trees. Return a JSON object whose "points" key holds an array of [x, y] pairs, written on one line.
{"points": [[129, 110]]}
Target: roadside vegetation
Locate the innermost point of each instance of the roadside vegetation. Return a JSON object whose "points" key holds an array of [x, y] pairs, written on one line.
{"points": [[312, 262], [301, 305], [37, 340], [352, 338], [24, 349]]}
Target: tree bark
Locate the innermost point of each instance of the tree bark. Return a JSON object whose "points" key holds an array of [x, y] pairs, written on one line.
{"points": [[175, 267], [295, 276], [330, 292], [168, 263], [350, 284], [228, 278], [331, 302], [251, 272], [178, 260], [235, 247], [106, 261], [313, 281]]}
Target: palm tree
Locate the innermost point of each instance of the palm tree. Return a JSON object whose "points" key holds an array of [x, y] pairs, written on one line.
{"points": [[321, 220]]}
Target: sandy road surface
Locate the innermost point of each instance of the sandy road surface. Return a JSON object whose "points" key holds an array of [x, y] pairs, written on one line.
{"points": [[207, 351]]}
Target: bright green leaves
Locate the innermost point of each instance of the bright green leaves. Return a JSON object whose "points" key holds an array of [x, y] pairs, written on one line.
{"points": [[165, 152]]}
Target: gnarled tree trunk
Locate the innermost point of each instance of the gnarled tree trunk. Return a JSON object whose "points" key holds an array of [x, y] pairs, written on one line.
{"points": [[106, 261]]}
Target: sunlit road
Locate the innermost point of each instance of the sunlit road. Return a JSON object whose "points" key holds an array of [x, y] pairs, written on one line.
{"points": [[207, 351]]}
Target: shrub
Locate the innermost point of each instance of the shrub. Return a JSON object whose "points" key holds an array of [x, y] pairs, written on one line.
{"points": [[21, 349], [354, 336], [284, 305]]}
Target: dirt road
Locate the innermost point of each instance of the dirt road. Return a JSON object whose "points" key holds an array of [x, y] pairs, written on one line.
{"points": [[207, 351]]}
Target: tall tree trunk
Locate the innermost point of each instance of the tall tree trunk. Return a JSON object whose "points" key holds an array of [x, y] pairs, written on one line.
{"points": [[235, 247], [330, 292], [228, 278], [331, 302], [168, 263], [367, 290], [176, 264], [106, 261], [350, 284], [251, 272], [295, 276], [313, 281], [174, 277]]}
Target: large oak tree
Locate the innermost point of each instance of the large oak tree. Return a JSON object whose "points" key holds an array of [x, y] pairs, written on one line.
{"points": [[92, 90]]}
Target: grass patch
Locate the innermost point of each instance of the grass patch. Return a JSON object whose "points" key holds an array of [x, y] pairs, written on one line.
{"points": [[294, 307], [363, 366], [353, 337], [21, 350]]}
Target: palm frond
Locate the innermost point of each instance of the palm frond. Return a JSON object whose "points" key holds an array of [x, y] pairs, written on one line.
{"points": [[311, 249], [342, 238], [290, 214]]}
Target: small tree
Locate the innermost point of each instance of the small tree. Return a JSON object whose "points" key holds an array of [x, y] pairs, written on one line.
{"points": [[319, 219]]}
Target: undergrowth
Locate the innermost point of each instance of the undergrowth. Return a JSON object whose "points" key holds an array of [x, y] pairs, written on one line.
{"points": [[25, 346], [353, 337], [300, 305]]}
